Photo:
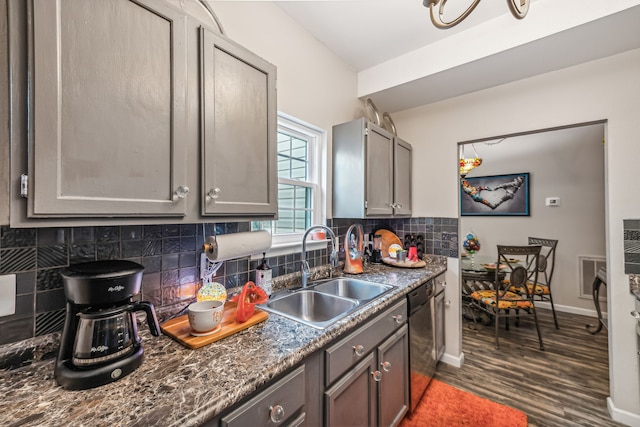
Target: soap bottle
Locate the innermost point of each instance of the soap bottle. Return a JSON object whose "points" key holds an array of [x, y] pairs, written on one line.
{"points": [[263, 275]]}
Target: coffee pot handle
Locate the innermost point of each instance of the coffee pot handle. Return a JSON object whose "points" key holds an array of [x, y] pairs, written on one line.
{"points": [[152, 319]]}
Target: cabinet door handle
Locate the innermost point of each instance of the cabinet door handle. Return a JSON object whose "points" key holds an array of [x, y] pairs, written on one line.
{"points": [[635, 314], [447, 302], [182, 192], [213, 193], [386, 366], [358, 349], [399, 205], [377, 375], [276, 413], [398, 318]]}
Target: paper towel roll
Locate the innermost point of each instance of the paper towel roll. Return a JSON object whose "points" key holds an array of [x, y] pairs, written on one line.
{"points": [[236, 245]]}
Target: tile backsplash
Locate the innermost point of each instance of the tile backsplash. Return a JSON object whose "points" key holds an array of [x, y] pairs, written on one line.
{"points": [[170, 255]]}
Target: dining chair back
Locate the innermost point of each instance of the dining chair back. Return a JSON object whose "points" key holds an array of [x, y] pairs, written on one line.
{"points": [[546, 266], [520, 265]]}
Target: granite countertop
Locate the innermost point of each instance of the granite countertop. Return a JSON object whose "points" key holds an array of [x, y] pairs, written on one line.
{"points": [[177, 386]]}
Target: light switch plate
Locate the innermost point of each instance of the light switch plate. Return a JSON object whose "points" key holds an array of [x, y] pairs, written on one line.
{"points": [[7, 294]]}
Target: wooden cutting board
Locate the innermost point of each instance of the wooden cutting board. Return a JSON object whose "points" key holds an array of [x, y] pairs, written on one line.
{"points": [[180, 330], [404, 264], [388, 239]]}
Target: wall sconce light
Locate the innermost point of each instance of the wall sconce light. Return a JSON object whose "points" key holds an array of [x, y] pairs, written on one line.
{"points": [[519, 9]]}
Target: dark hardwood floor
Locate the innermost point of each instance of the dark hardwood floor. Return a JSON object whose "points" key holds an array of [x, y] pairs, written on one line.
{"points": [[565, 385]]}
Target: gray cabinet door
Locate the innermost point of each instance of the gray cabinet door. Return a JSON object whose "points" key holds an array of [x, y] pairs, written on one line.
{"points": [[371, 172], [352, 400], [393, 362], [108, 124], [379, 172], [238, 130], [402, 160]]}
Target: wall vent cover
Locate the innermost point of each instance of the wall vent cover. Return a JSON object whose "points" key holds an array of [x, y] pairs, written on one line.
{"points": [[588, 268]]}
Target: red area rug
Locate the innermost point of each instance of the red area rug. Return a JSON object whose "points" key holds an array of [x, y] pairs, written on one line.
{"points": [[446, 406]]}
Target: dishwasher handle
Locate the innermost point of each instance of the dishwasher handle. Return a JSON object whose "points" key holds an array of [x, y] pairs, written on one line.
{"points": [[420, 296]]}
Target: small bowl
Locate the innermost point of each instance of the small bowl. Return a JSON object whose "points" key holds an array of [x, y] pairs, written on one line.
{"points": [[205, 317]]}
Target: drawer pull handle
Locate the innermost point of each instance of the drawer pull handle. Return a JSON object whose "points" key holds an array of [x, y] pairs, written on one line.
{"points": [[377, 375], [386, 366], [276, 413], [398, 318], [358, 349], [635, 314]]}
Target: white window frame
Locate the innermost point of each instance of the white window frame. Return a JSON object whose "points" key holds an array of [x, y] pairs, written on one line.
{"points": [[317, 138]]}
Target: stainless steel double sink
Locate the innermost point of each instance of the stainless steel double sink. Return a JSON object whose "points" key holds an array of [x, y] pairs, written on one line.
{"points": [[323, 303]]}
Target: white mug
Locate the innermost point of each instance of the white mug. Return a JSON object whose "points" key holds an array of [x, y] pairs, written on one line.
{"points": [[205, 316]]}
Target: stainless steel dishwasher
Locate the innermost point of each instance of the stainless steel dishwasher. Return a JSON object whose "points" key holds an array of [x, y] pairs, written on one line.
{"points": [[422, 351]]}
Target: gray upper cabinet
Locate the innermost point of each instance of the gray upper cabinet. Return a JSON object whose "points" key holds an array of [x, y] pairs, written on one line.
{"points": [[239, 174], [108, 100], [128, 111], [371, 172], [402, 164]]}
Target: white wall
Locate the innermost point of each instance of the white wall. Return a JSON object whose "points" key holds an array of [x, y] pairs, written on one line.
{"points": [[605, 89], [568, 164]]}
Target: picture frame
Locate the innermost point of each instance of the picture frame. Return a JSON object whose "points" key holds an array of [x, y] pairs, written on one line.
{"points": [[495, 195]]}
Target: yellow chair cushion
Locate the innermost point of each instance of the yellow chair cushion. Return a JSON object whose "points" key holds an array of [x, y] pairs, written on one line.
{"points": [[508, 300], [537, 290]]}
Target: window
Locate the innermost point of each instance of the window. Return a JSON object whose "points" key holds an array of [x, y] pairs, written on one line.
{"points": [[301, 150]]}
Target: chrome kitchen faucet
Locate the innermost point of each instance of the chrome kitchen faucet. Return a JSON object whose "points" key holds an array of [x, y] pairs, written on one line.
{"points": [[333, 258]]}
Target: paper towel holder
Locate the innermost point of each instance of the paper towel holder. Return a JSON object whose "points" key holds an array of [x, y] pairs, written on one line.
{"points": [[210, 247], [236, 245]]}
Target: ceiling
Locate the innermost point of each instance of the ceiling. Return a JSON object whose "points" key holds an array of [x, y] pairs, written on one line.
{"points": [[379, 30], [396, 50]]}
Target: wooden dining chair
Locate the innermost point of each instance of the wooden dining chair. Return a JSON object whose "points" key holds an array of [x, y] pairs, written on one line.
{"points": [[520, 264], [545, 266]]}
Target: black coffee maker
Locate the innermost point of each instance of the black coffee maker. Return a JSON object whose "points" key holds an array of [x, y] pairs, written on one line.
{"points": [[100, 342]]}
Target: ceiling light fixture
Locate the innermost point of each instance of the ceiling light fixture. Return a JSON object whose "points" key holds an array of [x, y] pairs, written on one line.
{"points": [[468, 163], [519, 9]]}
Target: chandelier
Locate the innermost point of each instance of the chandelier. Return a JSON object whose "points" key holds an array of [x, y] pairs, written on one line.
{"points": [[519, 9], [468, 163]]}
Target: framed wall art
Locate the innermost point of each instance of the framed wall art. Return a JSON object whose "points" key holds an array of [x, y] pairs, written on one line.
{"points": [[496, 195]]}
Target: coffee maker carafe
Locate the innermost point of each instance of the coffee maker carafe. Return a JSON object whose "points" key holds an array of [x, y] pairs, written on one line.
{"points": [[100, 342]]}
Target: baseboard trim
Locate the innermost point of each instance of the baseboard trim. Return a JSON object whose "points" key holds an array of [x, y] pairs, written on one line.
{"points": [[455, 361], [622, 416], [569, 309]]}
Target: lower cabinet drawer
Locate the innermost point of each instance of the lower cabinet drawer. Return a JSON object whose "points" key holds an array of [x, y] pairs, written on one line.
{"points": [[350, 350], [281, 404]]}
